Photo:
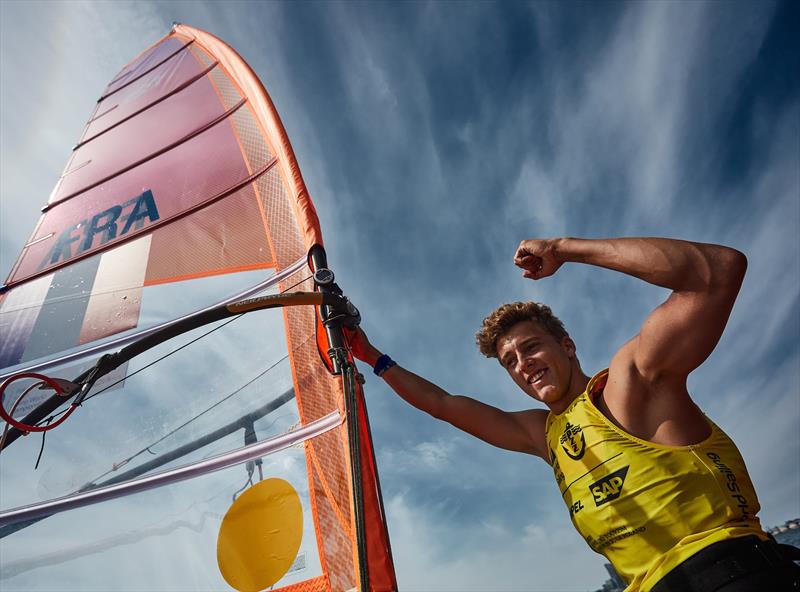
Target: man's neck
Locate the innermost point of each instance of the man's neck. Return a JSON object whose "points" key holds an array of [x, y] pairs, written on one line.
{"points": [[577, 385]]}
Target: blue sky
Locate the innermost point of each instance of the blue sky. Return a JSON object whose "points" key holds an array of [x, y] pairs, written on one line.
{"points": [[434, 137]]}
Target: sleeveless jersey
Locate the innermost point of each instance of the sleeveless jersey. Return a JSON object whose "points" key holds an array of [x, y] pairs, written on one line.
{"points": [[645, 506]]}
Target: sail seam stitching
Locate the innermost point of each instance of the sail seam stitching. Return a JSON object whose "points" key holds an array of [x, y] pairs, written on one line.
{"points": [[103, 114]]}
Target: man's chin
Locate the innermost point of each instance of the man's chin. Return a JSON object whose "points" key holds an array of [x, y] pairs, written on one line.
{"points": [[548, 394]]}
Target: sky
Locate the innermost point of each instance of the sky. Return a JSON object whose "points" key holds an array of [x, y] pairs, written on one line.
{"points": [[433, 138]]}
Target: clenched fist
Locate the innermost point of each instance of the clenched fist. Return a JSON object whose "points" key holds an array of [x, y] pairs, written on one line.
{"points": [[538, 258]]}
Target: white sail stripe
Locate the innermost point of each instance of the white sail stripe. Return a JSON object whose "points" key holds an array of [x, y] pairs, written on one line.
{"points": [[118, 266], [128, 339], [190, 471]]}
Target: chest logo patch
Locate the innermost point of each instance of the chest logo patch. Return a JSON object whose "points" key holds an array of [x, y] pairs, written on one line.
{"points": [[574, 447], [609, 487]]}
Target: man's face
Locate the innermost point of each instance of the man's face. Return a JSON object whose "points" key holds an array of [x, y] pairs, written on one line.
{"points": [[537, 362]]}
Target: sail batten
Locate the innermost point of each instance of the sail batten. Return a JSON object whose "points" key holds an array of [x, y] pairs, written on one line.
{"points": [[141, 110], [128, 166], [145, 73]]}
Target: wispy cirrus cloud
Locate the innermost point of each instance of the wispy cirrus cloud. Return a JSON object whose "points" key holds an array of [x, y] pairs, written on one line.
{"points": [[434, 137]]}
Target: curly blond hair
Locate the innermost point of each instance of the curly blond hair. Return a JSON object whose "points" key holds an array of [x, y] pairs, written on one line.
{"points": [[508, 315]]}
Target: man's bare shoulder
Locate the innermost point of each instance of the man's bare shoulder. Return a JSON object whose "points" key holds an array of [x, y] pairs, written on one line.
{"points": [[655, 409]]}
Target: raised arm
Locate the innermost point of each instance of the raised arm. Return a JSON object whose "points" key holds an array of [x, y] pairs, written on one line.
{"points": [[646, 392], [521, 431], [680, 334]]}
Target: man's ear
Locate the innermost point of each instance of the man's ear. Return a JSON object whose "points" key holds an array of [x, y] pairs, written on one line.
{"points": [[569, 346]]}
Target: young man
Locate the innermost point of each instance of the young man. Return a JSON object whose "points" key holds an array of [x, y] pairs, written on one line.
{"points": [[650, 482]]}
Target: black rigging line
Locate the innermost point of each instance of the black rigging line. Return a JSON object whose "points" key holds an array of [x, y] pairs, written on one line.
{"points": [[225, 398], [250, 471], [180, 451], [147, 448], [183, 425], [41, 450], [145, 367], [55, 415]]}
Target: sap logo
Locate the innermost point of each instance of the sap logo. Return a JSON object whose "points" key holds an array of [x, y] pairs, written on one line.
{"points": [[569, 442], [107, 225], [609, 487]]}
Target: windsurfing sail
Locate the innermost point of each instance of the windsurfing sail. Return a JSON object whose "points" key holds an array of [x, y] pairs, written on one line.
{"points": [[202, 441]]}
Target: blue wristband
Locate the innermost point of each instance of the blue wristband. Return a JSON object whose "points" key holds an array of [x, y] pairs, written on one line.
{"points": [[383, 364]]}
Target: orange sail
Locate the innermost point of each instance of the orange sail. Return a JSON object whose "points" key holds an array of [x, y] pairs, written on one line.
{"points": [[182, 193]]}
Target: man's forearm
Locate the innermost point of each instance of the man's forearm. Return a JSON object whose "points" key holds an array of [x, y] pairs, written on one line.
{"points": [[416, 391], [674, 264], [413, 389]]}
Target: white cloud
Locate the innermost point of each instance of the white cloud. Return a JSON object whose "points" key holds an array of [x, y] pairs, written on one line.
{"points": [[488, 558]]}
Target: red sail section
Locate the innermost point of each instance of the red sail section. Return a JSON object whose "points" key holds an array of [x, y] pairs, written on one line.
{"points": [[318, 392]]}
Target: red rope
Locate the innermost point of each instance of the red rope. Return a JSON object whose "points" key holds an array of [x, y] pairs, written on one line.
{"points": [[23, 426]]}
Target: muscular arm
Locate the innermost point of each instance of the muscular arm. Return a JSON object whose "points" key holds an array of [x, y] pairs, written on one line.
{"points": [[646, 392], [681, 333], [521, 431]]}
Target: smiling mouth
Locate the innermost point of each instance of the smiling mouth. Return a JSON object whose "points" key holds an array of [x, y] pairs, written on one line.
{"points": [[537, 376]]}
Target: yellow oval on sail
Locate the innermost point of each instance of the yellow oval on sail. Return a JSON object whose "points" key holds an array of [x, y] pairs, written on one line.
{"points": [[260, 536]]}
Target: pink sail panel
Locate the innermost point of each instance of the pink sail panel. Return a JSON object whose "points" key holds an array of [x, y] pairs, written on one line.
{"points": [[194, 172], [182, 68], [117, 149], [146, 61]]}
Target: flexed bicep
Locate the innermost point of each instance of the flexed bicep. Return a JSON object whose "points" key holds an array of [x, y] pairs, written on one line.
{"points": [[681, 333]]}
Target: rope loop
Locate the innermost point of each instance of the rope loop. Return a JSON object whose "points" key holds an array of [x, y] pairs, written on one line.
{"points": [[43, 380]]}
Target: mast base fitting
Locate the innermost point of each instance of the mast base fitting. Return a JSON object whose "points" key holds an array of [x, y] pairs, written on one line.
{"points": [[343, 314]]}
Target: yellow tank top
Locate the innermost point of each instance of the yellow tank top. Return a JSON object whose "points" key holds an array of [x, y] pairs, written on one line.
{"points": [[645, 506]]}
